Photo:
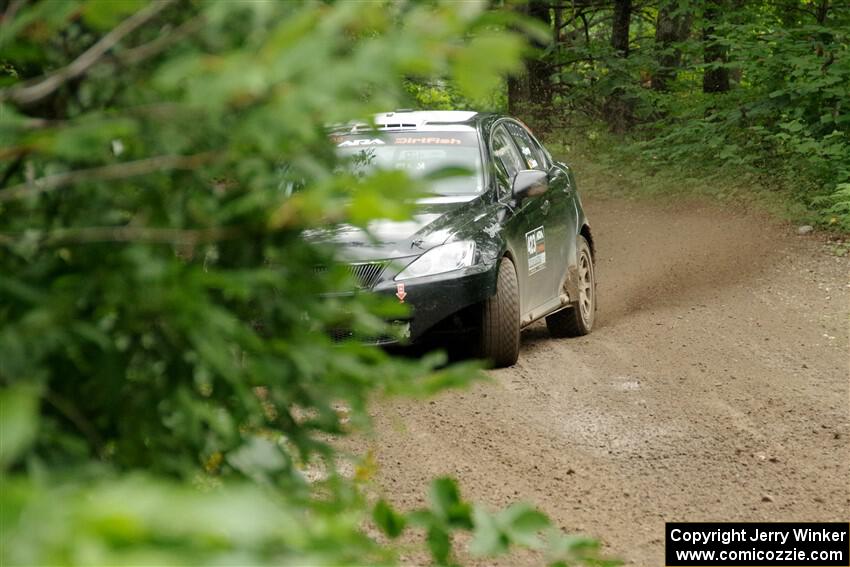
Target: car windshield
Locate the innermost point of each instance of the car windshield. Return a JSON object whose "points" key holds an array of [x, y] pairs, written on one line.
{"points": [[419, 154]]}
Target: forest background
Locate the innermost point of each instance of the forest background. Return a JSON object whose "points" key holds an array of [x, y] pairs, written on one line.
{"points": [[170, 393]]}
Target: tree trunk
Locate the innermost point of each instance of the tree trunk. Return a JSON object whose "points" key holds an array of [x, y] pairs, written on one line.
{"points": [[822, 11], [534, 87], [670, 29], [715, 79], [620, 27], [618, 110], [517, 93]]}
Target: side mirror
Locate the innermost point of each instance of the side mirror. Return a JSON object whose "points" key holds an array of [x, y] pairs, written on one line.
{"points": [[529, 183]]}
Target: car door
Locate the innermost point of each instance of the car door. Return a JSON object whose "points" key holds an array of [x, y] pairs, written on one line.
{"points": [[558, 209], [524, 230]]}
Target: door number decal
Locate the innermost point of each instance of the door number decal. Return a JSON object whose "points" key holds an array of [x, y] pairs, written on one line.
{"points": [[536, 247]]}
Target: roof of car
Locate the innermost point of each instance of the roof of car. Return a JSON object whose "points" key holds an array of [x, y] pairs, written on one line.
{"points": [[422, 119], [419, 118]]}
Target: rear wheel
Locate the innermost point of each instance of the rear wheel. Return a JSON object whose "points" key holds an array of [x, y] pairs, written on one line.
{"points": [[500, 319], [578, 320]]}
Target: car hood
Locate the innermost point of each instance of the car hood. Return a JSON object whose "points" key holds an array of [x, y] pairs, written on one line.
{"points": [[434, 221]]}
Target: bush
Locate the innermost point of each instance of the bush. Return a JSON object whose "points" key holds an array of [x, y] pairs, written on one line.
{"points": [[168, 376], [784, 119]]}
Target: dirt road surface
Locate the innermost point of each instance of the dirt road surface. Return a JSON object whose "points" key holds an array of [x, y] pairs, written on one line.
{"points": [[714, 388]]}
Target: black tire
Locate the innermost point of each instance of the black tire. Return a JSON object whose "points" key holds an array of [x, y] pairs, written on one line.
{"points": [[500, 319], [578, 320]]}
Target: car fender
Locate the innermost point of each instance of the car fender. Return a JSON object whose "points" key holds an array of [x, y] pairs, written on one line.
{"points": [[485, 229]]}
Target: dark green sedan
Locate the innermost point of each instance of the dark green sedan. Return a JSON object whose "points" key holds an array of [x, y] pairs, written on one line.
{"points": [[490, 252]]}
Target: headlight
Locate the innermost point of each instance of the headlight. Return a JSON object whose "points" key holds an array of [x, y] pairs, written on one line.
{"points": [[440, 259]]}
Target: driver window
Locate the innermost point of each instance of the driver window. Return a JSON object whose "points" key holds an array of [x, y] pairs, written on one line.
{"points": [[506, 156], [532, 154]]}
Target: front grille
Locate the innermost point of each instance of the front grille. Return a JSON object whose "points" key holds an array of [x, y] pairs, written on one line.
{"points": [[366, 274]]}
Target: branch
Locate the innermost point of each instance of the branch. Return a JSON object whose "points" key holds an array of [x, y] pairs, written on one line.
{"points": [[155, 109], [95, 234], [147, 50], [586, 35], [72, 414], [561, 64], [33, 91], [576, 14], [183, 237], [12, 10], [105, 173], [13, 152], [12, 168]]}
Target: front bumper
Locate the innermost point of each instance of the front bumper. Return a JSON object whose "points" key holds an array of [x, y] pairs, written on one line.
{"points": [[433, 299]]}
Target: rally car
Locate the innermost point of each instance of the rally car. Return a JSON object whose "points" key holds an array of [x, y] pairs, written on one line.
{"points": [[491, 251]]}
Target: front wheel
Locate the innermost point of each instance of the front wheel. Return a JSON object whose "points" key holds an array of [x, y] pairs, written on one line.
{"points": [[500, 319], [578, 320]]}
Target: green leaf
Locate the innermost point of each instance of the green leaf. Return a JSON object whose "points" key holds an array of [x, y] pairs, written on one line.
{"points": [[444, 495], [440, 545], [478, 69], [258, 458], [18, 421], [488, 538], [422, 518], [523, 523], [384, 194], [572, 548], [105, 14], [445, 499], [792, 126], [390, 522], [86, 139]]}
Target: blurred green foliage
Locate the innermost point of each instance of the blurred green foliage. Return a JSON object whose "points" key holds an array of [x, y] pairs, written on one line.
{"points": [[170, 393]]}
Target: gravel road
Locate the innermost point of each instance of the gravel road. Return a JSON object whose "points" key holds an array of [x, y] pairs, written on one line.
{"points": [[714, 387]]}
